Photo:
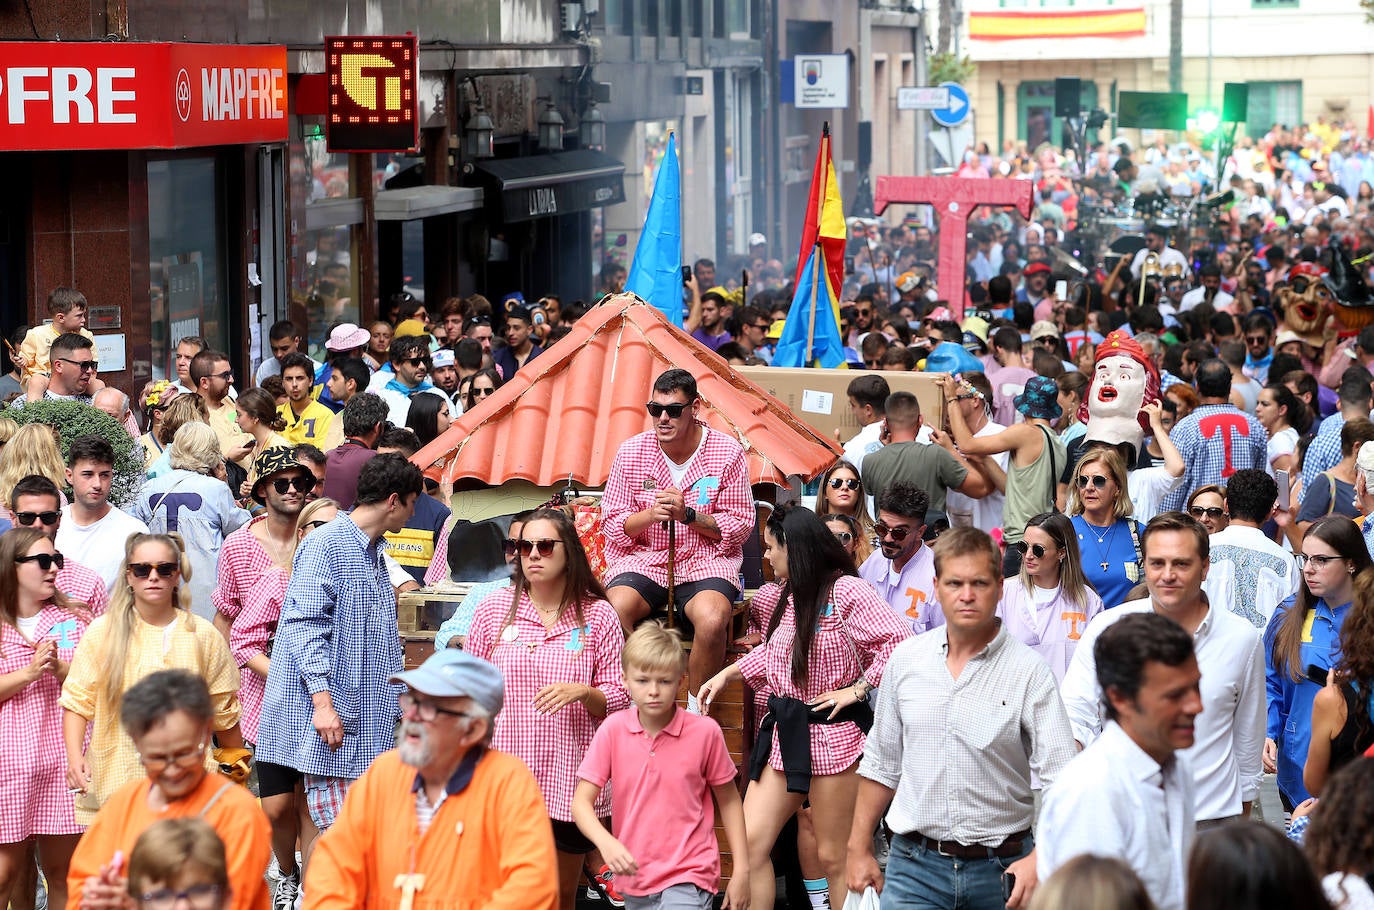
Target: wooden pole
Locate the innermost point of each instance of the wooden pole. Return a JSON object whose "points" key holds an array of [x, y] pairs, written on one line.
{"points": [[672, 558]]}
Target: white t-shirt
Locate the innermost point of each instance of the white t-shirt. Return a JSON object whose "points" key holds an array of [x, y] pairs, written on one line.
{"points": [[28, 625], [99, 546], [1198, 294], [985, 513], [679, 471], [1284, 442]]}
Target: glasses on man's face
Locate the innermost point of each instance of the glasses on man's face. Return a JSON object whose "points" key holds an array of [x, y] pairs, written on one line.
{"points": [[674, 411], [85, 366], [156, 764], [1257, 339], [897, 534], [301, 482], [414, 361], [1213, 512], [873, 364], [846, 483], [1319, 562], [1097, 480], [199, 897], [45, 560], [426, 711], [161, 569], [28, 518], [227, 375], [544, 546], [763, 326], [510, 546]]}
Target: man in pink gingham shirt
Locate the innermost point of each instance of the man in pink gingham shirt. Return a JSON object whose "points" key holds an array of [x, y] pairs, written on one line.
{"points": [[696, 479]]}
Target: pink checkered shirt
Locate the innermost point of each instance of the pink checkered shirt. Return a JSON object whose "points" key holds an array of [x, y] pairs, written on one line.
{"points": [[250, 593], [33, 761], [857, 634], [530, 658], [83, 585], [717, 484]]}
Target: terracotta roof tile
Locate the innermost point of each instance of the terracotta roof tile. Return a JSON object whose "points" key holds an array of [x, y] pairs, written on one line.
{"points": [[567, 412]]}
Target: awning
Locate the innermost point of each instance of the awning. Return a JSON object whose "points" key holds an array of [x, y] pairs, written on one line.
{"points": [[537, 186], [425, 202]]}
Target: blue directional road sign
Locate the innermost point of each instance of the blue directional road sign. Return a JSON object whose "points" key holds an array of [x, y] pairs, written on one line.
{"points": [[957, 111]]}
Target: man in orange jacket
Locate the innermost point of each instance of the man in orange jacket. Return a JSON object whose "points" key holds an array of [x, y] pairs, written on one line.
{"points": [[442, 822]]}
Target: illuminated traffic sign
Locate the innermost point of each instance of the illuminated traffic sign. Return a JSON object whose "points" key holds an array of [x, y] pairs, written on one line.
{"points": [[373, 106]]}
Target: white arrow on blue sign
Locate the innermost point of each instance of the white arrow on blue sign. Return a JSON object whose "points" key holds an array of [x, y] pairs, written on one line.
{"points": [[957, 111]]}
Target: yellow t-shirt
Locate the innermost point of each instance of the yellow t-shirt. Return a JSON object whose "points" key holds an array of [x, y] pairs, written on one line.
{"points": [[38, 342], [311, 426]]}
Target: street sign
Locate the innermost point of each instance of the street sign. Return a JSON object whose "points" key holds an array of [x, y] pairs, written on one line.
{"points": [[957, 111], [922, 98], [373, 105], [821, 81]]}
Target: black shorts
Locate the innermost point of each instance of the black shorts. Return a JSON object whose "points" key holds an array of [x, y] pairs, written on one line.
{"points": [[656, 596], [568, 838], [276, 780]]}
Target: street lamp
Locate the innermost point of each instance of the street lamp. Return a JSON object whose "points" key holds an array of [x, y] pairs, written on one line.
{"points": [[593, 133], [550, 129], [477, 134]]}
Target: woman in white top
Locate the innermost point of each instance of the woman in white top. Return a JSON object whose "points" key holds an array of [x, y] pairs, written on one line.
{"points": [[1048, 605], [1286, 418]]}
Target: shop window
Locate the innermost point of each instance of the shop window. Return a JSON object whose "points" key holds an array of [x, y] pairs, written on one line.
{"points": [[186, 258], [1271, 103], [323, 275]]}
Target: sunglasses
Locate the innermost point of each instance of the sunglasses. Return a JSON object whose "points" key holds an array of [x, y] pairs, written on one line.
{"points": [[897, 534], [544, 546], [844, 537], [509, 546], [837, 483], [45, 560], [28, 518], [84, 366], [312, 525], [674, 411], [482, 393], [302, 483], [414, 361], [1032, 549], [1212, 512], [227, 375], [1097, 480], [163, 569]]}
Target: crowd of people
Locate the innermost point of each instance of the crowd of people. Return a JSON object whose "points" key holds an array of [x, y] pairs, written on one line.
{"points": [[1038, 649]]}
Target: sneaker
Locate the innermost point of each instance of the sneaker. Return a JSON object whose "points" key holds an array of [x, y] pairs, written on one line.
{"points": [[273, 872], [285, 893], [591, 893], [605, 878]]}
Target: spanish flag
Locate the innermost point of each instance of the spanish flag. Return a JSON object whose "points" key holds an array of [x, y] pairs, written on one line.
{"points": [[824, 218], [1007, 25], [811, 335]]}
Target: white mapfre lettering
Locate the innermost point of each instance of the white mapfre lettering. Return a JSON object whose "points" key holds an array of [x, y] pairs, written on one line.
{"points": [[242, 93], [68, 91]]}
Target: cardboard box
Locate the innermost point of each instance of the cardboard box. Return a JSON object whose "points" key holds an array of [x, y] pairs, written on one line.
{"points": [[820, 397]]}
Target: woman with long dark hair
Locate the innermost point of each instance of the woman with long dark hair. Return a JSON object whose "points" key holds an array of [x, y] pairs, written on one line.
{"points": [[842, 493], [482, 384], [1049, 603], [823, 653], [1303, 635], [428, 417], [1248, 865], [557, 642], [1285, 418], [1342, 726]]}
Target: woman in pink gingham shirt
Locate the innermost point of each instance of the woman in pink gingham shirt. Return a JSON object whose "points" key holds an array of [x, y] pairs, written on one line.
{"points": [[823, 654], [557, 642], [38, 634]]}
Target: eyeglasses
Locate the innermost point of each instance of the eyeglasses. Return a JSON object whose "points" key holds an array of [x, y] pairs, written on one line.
{"points": [[426, 710], [156, 764], [302, 483], [200, 897], [544, 546], [163, 569], [850, 483], [227, 375], [414, 361], [1097, 480], [1321, 562], [28, 518], [844, 537], [897, 534], [674, 411], [1033, 549], [84, 366], [45, 560], [1212, 512]]}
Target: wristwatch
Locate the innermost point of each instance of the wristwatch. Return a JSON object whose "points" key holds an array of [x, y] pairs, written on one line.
{"points": [[689, 515], [868, 690]]}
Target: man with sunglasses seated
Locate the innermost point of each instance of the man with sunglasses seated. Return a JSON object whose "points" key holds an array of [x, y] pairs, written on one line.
{"points": [[37, 503], [72, 376], [678, 501], [903, 569]]}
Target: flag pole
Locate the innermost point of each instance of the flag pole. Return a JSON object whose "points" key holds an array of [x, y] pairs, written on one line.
{"points": [[815, 269]]}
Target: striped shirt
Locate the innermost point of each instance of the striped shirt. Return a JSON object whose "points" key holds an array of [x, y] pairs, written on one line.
{"points": [[959, 752]]}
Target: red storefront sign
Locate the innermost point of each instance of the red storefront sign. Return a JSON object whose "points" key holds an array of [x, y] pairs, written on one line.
{"points": [[58, 96]]}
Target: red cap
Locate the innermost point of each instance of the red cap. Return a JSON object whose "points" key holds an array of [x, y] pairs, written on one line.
{"points": [[1035, 268]]}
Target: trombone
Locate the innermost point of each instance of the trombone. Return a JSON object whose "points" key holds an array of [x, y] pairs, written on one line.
{"points": [[1148, 269]]}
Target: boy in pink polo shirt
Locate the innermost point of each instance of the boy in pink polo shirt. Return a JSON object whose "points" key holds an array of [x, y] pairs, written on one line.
{"points": [[666, 765]]}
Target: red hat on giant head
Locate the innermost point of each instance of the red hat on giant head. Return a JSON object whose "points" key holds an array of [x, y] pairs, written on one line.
{"points": [[1121, 344], [1310, 269]]}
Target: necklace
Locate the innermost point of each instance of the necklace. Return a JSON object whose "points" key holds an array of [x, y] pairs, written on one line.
{"points": [[1105, 538]]}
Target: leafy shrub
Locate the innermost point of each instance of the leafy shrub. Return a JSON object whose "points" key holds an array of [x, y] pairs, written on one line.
{"points": [[74, 419]]}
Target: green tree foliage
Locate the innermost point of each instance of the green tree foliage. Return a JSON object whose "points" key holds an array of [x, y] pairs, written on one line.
{"points": [[72, 419]]}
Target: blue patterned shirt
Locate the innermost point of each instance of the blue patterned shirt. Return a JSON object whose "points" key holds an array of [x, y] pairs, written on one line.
{"points": [[338, 633], [1324, 452], [1216, 440]]}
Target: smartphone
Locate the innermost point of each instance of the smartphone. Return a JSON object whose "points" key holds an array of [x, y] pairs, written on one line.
{"points": [[1317, 675], [1008, 886], [1061, 290], [1284, 489], [686, 274]]}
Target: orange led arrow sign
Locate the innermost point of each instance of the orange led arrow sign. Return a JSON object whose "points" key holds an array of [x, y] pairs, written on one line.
{"points": [[373, 106]]}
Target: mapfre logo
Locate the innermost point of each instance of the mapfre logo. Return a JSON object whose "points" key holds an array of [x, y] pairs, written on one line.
{"points": [[372, 100], [183, 94]]}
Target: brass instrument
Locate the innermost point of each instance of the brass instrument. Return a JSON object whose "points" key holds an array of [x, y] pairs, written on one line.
{"points": [[1148, 269]]}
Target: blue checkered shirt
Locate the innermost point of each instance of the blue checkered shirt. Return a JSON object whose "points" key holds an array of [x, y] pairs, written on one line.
{"points": [[1213, 451], [1324, 452], [338, 633]]}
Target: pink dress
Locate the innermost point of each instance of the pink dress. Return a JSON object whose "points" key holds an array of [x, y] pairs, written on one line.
{"points": [[33, 761]]}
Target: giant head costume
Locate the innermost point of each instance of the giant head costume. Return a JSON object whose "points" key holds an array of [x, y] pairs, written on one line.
{"points": [[1311, 293], [1124, 380]]}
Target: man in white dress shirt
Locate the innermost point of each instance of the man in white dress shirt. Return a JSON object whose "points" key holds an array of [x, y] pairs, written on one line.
{"points": [[1157, 242], [1226, 759], [1129, 795]]}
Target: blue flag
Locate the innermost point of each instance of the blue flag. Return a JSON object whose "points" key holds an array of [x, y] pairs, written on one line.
{"points": [[827, 349], [656, 273]]}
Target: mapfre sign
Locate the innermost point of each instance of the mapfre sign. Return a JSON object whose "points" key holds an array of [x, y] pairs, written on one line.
{"points": [[373, 105], [57, 96]]}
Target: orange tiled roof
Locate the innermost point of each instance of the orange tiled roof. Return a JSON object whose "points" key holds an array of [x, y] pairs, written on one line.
{"points": [[567, 412]]}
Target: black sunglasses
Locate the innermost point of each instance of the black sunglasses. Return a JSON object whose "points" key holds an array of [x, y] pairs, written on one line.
{"points": [[897, 534], [1096, 480], [28, 518], [414, 361], [544, 546], [1034, 549], [84, 366], [509, 546], [163, 569], [848, 484], [674, 411], [1211, 512], [302, 483], [45, 560]]}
